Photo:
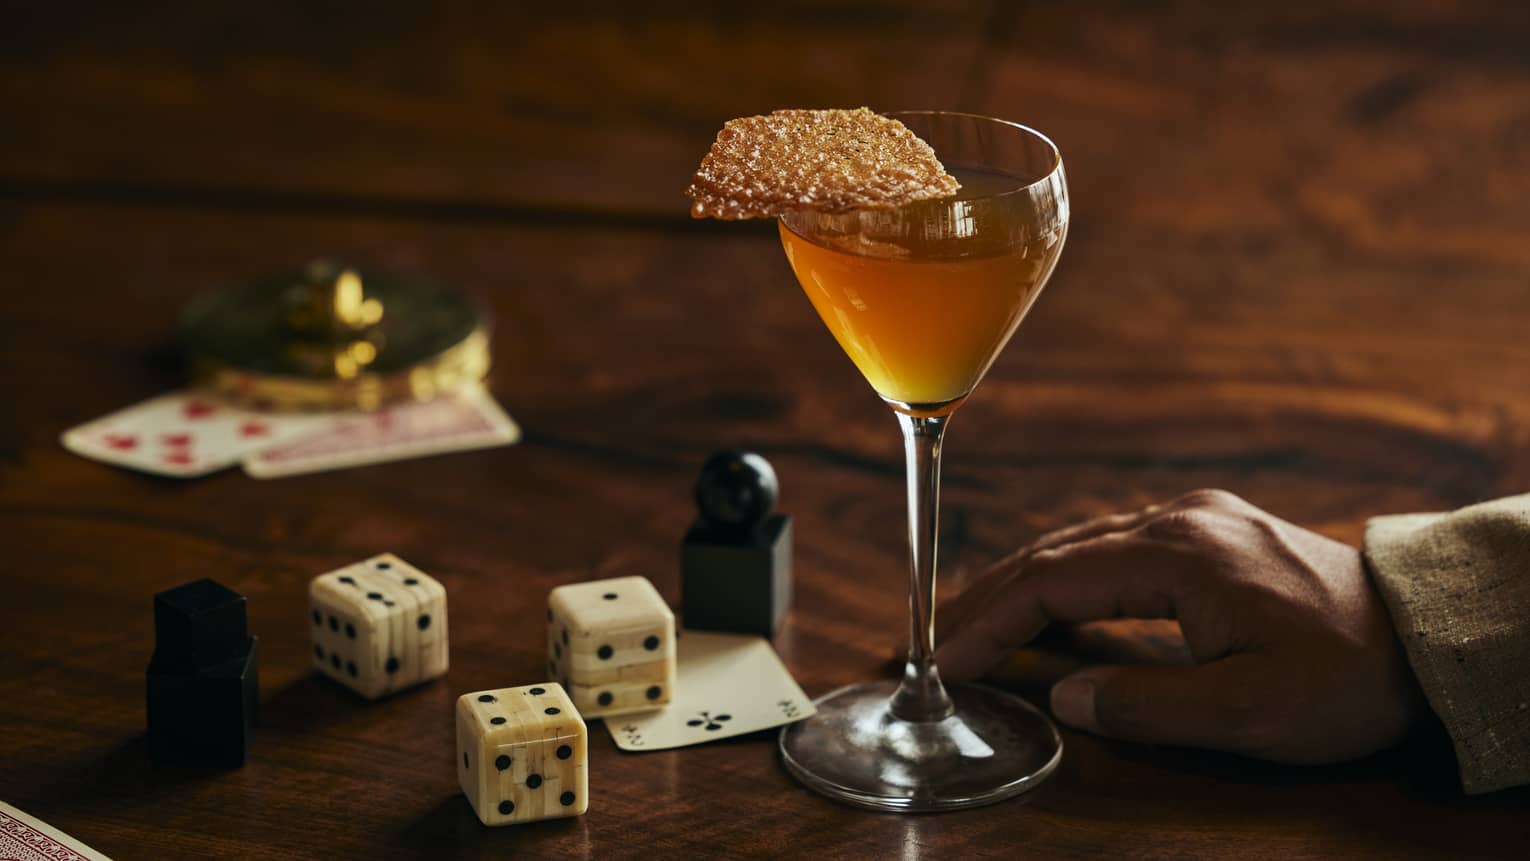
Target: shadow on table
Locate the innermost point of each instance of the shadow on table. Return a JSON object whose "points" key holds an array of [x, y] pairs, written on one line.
{"points": [[307, 704], [125, 771], [452, 830], [1422, 767]]}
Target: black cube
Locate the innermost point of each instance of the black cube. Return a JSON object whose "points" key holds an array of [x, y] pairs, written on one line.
{"points": [[198, 625], [204, 717], [737, 581], [201, 686]]}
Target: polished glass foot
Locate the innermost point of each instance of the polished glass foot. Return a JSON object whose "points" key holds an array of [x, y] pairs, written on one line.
{"points": [[994, 746]]}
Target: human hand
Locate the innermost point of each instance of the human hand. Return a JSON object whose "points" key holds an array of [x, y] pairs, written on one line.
{"points": [[1295, 656]]}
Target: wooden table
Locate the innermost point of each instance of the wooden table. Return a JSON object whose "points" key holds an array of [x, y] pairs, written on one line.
{"points": [[1297, 269]]}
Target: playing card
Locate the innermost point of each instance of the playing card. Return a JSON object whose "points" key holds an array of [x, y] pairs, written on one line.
{"points": [[726, 685], [184, 434], [24, 838], [460, 421]]}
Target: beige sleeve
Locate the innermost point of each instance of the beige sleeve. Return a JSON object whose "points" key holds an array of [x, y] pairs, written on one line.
{"points": [[1458, 588]]}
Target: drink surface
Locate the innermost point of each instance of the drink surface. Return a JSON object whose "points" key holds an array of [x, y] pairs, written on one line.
{"points": [[924, 314]]}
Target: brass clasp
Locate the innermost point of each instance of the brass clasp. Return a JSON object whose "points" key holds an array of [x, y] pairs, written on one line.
{"points": [[332, 321]]}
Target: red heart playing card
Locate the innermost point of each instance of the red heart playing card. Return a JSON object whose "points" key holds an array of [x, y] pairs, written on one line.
{"points": [[185, 434]]}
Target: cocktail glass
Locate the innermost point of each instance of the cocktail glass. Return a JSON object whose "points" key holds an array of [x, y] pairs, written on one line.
{"points": [[922, 298]]}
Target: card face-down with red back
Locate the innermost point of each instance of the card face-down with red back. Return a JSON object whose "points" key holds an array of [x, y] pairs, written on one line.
{"points": [[185, 434], [26, 838], [460, 421]]}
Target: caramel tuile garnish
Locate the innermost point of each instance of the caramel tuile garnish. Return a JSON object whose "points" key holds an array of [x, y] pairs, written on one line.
{"points": [[825, 160]]}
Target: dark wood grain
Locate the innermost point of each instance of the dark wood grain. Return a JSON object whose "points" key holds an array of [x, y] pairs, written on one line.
{"points": [[1297, 270]]}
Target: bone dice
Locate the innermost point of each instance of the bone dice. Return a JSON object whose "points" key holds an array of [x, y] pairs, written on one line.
{"points": [[522, 754], [612, 642], [378, 626]]}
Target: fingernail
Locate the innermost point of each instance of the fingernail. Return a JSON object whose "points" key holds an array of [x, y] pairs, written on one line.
{"points": [[1073, 703]]}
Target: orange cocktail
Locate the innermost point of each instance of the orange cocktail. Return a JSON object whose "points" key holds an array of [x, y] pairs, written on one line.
{"points": [[924, 316]]}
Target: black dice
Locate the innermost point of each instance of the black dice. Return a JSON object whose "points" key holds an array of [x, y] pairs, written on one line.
{"points": [[202, 686]]}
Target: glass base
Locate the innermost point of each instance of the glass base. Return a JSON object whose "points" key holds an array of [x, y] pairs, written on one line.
{"points": [[995, 746]]}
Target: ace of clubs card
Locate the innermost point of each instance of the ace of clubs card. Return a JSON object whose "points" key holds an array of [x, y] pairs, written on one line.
{"points": [[726, 685]]}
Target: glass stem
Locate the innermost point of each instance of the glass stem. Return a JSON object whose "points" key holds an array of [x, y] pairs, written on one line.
{"points": [[921, 697]]}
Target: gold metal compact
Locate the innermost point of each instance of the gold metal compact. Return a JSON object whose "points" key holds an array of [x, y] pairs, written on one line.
{"points": [[332, 337]]}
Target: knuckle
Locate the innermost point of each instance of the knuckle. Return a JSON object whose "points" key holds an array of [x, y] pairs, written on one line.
{"points": [[1211, 497], [1046, 556], [1186, 524]]}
